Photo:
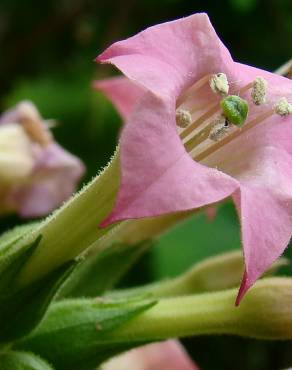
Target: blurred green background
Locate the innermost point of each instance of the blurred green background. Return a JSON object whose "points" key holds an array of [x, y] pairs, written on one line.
{"points": [[47, 52]]}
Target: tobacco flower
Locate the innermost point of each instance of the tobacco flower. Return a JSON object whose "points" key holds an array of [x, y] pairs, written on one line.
{"points": [[204, 128]]}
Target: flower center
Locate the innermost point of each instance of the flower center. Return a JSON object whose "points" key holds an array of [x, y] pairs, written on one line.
{"points": [[223, 120]]}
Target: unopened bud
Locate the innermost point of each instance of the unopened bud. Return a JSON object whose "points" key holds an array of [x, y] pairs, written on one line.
{"points": [[265, 312], [16, 156], [32, 122]]}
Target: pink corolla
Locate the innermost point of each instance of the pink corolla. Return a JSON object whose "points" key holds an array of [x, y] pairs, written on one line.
{"points": [[169, 355], [36, 174], [204, 128]]}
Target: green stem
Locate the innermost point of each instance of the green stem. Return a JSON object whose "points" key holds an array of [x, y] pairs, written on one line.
{"points": [[181, 317], [264, 313], [212, 274]]}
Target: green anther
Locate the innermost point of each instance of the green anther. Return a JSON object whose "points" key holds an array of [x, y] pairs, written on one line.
{"points": [[235, 109]]}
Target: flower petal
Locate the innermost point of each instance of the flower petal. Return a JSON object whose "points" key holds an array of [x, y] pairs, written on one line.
{"points": [[158, 175], [123, 93], [55, 177], [169, 355], [169, 57], [264, 204]]}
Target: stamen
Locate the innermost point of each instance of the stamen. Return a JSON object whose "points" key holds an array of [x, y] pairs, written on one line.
{"points": [[196, 86], [220, 128], [283, 107], [234, 135], [258, 92], [32, 123], [199, 138], [183, 118], [219, 84], [212, 110]]}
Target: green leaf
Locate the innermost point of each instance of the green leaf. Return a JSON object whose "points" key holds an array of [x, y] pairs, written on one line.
{"points": [[11, 236], [21, 309], [185, 242], [101, 271], [73, 334], [11, 263], [8, 248], [22, 361], [24, 306]]}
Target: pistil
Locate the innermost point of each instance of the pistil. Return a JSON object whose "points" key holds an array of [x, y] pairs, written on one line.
{"points": [[212, 109], [282, 108]]}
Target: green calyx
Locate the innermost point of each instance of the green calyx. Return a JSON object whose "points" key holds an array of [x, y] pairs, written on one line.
{"points": [[235, 109]]}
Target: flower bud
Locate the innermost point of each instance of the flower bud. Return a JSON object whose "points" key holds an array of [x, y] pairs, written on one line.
{"points": [[16, 156], [36, 174], [266, 312]]}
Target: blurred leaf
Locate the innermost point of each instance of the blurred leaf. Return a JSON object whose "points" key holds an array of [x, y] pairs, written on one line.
{"points": [[100, 271], [11, 263], [244, 5], [8, 238], [21, 309], [194, 240], [71, 336], [22, 361]]}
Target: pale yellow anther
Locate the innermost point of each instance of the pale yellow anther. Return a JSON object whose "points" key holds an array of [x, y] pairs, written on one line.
{"points": [[283, 107], [183, 118], [220, 128], [219, 84], [259, 90]]}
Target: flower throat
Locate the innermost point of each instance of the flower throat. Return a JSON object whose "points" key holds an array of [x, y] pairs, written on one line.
{"points": [[223, 121]]}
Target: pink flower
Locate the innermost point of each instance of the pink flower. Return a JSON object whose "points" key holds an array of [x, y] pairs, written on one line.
{"points": [[122, 92], [166, 168], [36, 174], [168, 355]]}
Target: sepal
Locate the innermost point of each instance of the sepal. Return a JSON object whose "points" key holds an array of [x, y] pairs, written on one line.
{"points": [[75, 333], [22, 361], [100, 271], [22, 308]]}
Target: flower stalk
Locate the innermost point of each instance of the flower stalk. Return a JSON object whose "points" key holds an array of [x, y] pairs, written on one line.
{"points": [[212, 274], [264, 313]]}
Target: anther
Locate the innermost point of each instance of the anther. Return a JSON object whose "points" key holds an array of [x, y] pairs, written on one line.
{"points": [[220, 128], [282, 107], [259, 90], [183, 118], [219, 84]]}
